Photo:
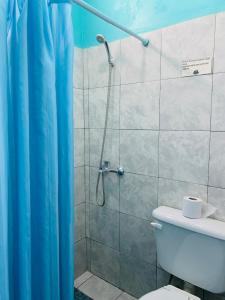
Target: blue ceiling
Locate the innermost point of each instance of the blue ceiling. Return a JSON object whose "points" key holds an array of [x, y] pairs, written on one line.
{"points": [[139, 15]]}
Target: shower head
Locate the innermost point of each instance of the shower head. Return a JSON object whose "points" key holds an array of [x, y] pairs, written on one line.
{"points": [[101, 39]]}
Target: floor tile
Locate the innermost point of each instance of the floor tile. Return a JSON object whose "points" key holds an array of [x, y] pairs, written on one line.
{"points": [[98, 289], [125, 296], [82, 279]]}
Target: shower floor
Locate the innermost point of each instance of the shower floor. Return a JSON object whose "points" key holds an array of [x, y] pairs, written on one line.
{"points": [[98, 289]]}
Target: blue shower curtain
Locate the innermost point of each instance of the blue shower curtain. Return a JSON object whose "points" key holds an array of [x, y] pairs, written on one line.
{"points": [[36, 151]]}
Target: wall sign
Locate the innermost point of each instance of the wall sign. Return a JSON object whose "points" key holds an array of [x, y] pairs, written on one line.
{"points": [[193, 67]]}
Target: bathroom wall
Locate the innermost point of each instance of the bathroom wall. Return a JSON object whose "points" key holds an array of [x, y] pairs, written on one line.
{"points": [[79, 161], [167, 131]]}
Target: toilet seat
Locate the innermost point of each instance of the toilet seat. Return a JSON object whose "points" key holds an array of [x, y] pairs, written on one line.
{"points": [[169, 292]]}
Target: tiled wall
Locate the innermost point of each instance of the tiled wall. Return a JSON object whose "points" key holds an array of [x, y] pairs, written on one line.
{"points": [[79, 159], [168, 132]]}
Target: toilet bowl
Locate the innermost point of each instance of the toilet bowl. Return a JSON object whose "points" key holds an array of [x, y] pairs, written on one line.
{"points": [[195, 253], [169, 292]]}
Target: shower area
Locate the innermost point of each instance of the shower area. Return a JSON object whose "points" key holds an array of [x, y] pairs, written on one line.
{"points": [[146, 135]]}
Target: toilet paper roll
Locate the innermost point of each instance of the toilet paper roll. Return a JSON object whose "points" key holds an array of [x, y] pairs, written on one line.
{"points": [[192, 207], [196, 208]]}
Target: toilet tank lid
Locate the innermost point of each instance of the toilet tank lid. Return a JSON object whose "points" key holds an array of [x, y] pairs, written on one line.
{"points": [[207, 226]]}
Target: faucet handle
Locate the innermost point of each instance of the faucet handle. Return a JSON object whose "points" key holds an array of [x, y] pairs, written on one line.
{"points": [[120, 171]]}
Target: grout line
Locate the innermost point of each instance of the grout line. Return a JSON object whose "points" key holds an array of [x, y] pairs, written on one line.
{"points": [[119, 295], [119, 279], [86, 135], [153, 129], [122, 213], [149, 129], [149, 81], [80, 240], [169, 179], [165, 178], [160, 93], [210, 135]]}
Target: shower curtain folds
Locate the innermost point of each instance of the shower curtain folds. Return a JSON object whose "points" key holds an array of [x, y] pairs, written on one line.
{"points": [[36, 151]]}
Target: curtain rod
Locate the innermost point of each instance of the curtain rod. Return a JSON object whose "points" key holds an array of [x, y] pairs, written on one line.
{"points": [[96, 12]]}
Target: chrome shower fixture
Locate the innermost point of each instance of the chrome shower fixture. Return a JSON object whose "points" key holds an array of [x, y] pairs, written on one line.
{"points": [[101, 39], [106, 169]]}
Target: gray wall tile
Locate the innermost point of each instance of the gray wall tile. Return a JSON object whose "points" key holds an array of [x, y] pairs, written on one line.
{"points": [[87, 197], [79, 147], [105, 262], [188, 40], [78, 71], [104, 226], [85, 61], [79, 185], [138, 195], [80, 258], [162, 278], [217, 160], [137, 277], [87, 183], [78, 106], [111, 152], [87, 147], [138, 63], [88, 253], [86, 108], [87, 221], [139, 106], [184, 156], [111, 185], [185, 103], [97, 107], [171, 192], [219, 60], [217, 198], [139, 151], [137, 238], [80, 222], [218, 103]]}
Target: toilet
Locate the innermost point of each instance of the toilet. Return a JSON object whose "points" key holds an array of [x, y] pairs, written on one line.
{"points": [[190, 249], [169, 292]]}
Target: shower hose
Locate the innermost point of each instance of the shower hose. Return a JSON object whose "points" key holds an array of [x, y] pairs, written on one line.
{"points": [[101, 172]]}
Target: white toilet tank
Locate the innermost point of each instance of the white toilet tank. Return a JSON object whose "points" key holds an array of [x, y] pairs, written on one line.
{"points": [[193, 250]]}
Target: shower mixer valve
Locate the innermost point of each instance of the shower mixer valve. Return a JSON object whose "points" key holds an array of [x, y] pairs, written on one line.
{"points": [[106, 169]]}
